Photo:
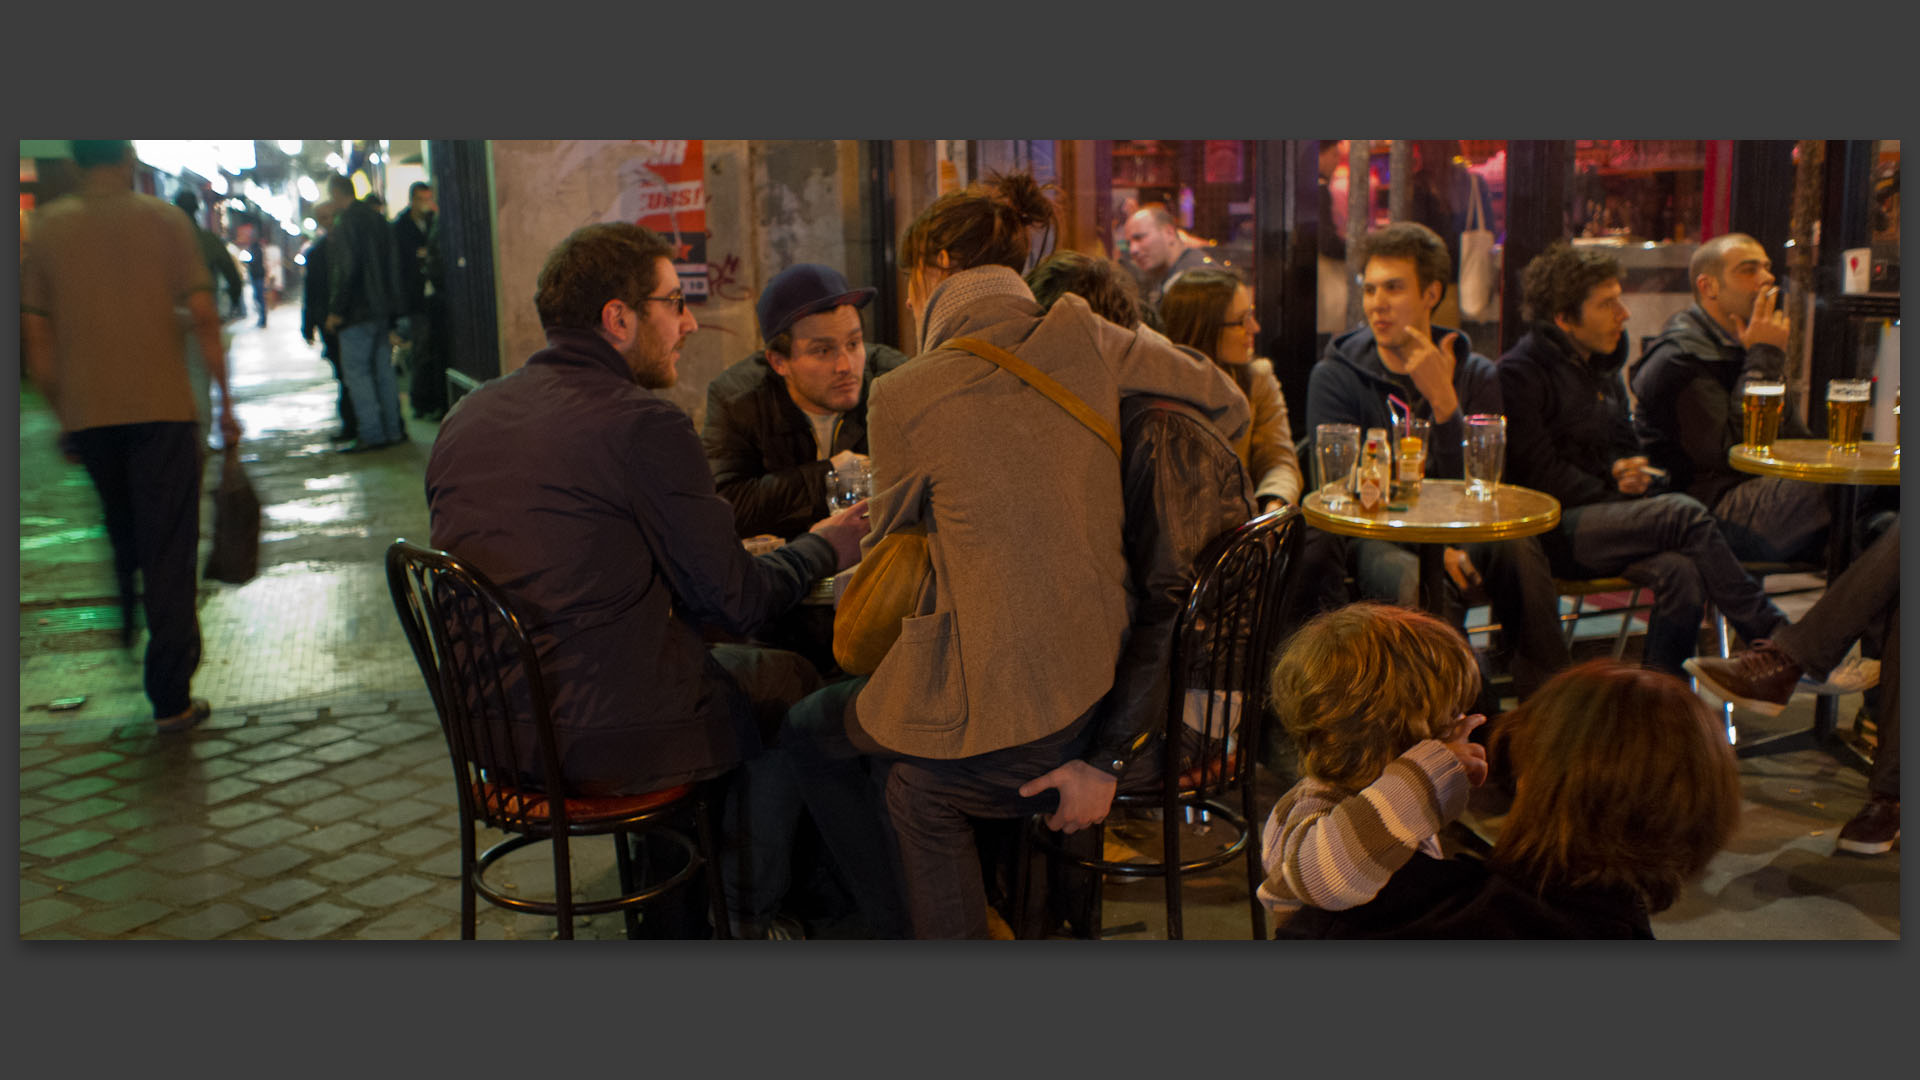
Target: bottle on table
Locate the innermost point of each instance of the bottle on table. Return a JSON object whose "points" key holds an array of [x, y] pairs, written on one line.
{"points": [[1374, 482]]}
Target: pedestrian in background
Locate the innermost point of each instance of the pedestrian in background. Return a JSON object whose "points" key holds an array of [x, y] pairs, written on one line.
{"points": [[100, 284]]}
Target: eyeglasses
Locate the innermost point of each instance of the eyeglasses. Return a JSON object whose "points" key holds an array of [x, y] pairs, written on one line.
{"points": [[677, 299], [1245, 321]]}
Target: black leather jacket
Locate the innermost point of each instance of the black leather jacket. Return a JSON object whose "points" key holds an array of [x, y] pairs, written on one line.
{"points": [[1688, 416], [410, 247], [363, 272], [761, 450], [1183, 487]]}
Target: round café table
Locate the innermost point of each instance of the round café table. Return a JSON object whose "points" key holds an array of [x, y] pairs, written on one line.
{"points": [[1441, 515], [1875, 464]]}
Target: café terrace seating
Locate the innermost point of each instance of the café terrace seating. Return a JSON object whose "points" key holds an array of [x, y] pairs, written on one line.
{"points": [[1224, 643], [482, 671]]}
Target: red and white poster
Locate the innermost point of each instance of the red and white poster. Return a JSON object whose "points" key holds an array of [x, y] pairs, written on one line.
{"points": [[663, 187]]}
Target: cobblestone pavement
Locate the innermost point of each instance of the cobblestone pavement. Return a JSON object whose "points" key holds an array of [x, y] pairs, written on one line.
{"points": [[329, 821], [317, 802]]}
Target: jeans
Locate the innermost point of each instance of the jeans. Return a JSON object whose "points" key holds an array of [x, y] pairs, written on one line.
{"points": [[1773, 519], [931, 804], [1670, 544], [760, 803], [148, 479], [1520, 594], [366, 366], [844, 787], [426, 364]]}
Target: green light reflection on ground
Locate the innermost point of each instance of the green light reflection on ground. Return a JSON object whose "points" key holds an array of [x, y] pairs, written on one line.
{"points": [[64, 536]]}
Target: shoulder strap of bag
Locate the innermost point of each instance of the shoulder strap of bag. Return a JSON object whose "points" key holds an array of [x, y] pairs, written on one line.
{"points": [[1044, 383], [1476, 218]]}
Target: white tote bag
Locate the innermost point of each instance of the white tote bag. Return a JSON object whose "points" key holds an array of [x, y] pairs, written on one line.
{"points": [[1476, 259]]}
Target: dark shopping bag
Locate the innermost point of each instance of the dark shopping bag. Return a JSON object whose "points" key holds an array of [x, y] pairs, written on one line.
{"points": [[236, 525]]}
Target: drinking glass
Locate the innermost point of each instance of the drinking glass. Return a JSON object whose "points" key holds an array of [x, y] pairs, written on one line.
{"points": [[1484, 446], [1847, 413], [1761, 406], [1338, 448], [848, 485], [1410, 444]]}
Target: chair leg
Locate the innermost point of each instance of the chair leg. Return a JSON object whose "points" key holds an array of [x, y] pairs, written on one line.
{"points": [[623, 860], [1170, 849], [563, 885], [1721, 638], [1571, 624], [1022, 875], [1626, 624], [709, 852], [469, 917], [1256, 872], [1097, 890]]}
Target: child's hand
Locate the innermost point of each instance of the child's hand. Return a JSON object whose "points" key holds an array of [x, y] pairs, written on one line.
{"points": [[1472, 756]]}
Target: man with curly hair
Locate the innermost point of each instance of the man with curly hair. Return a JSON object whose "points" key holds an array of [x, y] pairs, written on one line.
{"points": [[1569, 435]]}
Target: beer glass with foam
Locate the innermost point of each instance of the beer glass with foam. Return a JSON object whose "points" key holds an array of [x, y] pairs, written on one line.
{"points": [[1761, 406], [1846, 413]]}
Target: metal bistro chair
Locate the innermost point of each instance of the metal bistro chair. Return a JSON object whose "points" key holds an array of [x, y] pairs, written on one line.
{"points": [[485, 679], [1223, 643]]}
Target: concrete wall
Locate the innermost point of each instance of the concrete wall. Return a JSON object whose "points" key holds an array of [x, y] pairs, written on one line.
{"points": [[770, 204]]}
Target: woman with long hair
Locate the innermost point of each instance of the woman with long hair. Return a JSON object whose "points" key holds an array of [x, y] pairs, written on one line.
{"points": [[1211, 311], [1625, 789], [984, 706]]}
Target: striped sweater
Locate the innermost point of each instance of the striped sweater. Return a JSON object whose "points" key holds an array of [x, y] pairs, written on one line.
{"points": [[1328, 848]]}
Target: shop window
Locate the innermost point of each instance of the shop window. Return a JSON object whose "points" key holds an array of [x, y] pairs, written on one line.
{"points": [[1454, 187], [1207, 185], [1647, 202]]}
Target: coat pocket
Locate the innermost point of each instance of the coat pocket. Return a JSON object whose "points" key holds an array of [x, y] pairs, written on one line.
{"points": [[929, 648]]}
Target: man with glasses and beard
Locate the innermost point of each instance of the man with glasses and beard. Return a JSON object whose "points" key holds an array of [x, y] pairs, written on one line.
{"points": [[585, 496]]}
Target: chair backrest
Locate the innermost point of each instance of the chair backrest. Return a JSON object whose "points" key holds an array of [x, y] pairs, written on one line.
{"points": [[1222, 646], [484, 675]]}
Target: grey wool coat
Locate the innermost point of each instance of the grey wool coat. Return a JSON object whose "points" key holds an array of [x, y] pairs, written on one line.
{"points": [[1023, 510]]}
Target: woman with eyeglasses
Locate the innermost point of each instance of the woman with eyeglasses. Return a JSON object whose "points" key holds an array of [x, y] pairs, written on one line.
{"points": [[1212, 311]]}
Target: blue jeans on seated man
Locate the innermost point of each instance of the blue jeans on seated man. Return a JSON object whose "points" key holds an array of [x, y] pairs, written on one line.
{"points": [[366, 366], [900, 827], [1520, 594], [1670, 544], [843, 785], [759, 802]]}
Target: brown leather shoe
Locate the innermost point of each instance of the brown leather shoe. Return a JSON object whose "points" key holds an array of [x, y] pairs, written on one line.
{"points": [[1874, 829], [1759, 677]]}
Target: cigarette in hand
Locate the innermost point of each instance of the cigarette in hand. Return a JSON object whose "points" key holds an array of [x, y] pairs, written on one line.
{"points": [[1653, 470]]}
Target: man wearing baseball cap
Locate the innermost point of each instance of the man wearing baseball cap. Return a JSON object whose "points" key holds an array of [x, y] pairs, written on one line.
{"points": [[780, 419]]}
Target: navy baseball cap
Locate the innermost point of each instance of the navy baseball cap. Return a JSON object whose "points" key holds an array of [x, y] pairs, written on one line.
{"points": [[804, 289]]}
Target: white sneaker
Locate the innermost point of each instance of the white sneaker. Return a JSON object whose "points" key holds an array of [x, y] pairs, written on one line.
{"points": [[1854, 674]]}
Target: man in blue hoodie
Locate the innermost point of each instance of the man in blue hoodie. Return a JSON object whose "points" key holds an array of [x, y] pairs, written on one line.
{"points": [[1689, 410], [1399, 353]]}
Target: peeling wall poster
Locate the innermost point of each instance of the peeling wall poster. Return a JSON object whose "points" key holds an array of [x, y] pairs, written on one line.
{"points": [[663, 187]]}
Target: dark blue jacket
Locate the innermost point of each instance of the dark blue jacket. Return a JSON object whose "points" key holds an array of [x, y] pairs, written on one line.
{"points": [[1350, 386], [587, 499], [1567, 420]]}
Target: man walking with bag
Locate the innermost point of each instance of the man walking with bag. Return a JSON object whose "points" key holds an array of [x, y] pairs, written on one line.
{"points": [[99, 288]]}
